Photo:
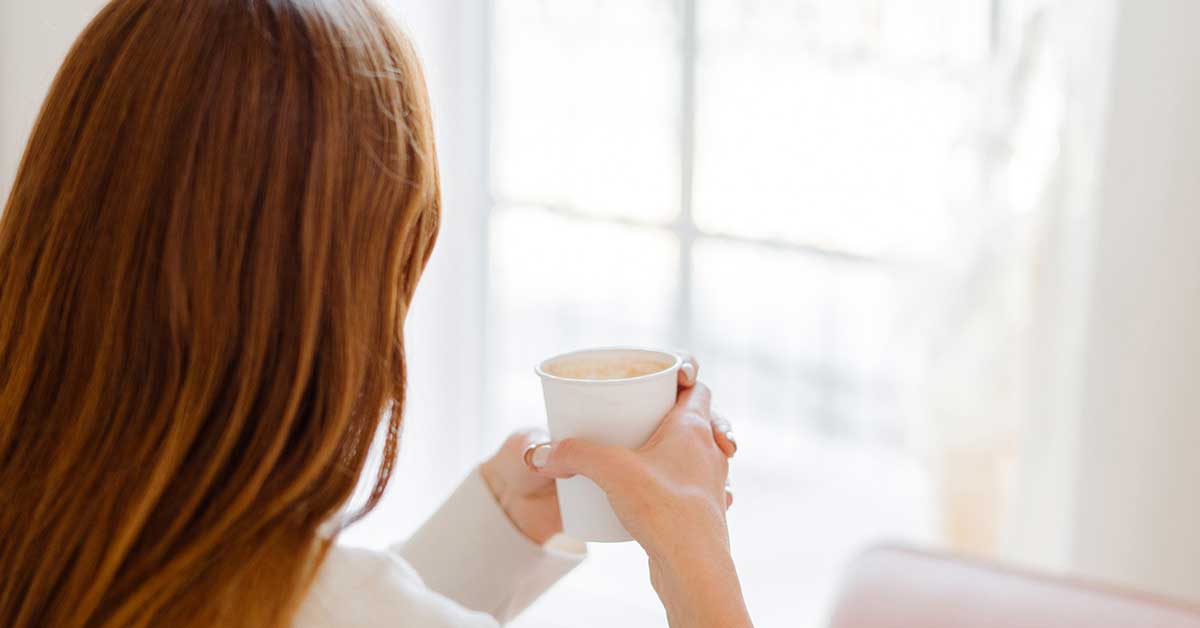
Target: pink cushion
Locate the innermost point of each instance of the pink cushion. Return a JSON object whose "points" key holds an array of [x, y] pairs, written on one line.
{"points": [[890, 587]]}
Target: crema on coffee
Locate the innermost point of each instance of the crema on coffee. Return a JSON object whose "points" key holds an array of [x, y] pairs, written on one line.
{"points": [[606, 368]]}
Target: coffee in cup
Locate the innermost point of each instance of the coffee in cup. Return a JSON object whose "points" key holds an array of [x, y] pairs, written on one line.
{"points": [[606, 365]]}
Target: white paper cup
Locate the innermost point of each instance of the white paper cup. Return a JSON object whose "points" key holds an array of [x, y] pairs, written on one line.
{"points": [[621, 412]]}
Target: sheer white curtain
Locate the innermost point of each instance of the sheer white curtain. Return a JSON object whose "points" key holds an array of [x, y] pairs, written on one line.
{"points": [[1126, 464], [988, 297], [1064, 388]]}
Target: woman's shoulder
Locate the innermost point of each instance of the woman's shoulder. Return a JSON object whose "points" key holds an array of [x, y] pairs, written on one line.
{"points": [[360, 588]]}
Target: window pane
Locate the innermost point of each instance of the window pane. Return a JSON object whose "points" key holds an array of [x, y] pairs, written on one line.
{"points": [[798, 341], [559, 284], [953, 34], [838, 137], [586, 108]]}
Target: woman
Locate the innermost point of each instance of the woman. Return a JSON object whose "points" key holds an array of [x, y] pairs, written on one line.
{"points": [[205, 265]]}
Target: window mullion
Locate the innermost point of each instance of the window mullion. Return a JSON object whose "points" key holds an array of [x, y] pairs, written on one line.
{"points": [[685, 225]]}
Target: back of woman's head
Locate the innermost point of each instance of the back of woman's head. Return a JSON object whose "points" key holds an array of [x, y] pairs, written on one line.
{"points": [[205, 263]]}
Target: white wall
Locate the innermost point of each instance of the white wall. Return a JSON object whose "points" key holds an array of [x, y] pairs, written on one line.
{"points": [[1137, 510], [34, 38]]}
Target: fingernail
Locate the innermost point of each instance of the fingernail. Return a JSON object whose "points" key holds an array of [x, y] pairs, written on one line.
{"points": [[732, 441], [536, 456], [689, 372]]}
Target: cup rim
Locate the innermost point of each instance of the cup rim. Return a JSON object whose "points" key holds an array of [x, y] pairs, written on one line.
{"points": [[675, 364]]}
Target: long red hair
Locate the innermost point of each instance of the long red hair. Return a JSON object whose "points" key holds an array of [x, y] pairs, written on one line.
{"points": [[205, 264]]}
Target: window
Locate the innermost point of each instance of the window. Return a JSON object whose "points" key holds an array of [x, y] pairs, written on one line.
{"points": [[762, 181], [766, 182]]}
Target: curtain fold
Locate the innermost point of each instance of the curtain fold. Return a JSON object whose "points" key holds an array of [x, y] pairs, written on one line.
{"points": [[1004, 362]]}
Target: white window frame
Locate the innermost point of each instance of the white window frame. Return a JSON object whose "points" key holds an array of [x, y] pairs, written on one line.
{"points": [[684, 227]]}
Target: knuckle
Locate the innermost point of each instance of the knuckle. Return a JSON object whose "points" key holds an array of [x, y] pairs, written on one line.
{"points": [[697, 424], [567, 449], [589, 457], [712, 453], [566, 452], [690, 417], [699, 399]]}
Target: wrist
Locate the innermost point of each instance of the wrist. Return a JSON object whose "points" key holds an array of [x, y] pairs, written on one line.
{"points": [[500, 490], [494, 481], [693, 534], [700, 588]]}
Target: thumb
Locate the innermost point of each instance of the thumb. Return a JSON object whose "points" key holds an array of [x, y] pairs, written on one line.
{"points": [[574, 456]]}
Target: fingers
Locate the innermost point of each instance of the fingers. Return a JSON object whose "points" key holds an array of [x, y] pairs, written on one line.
{"points": [[573, 456], [697, 399], [692, 411], [688, 370], [723, 435], [536, 454]]}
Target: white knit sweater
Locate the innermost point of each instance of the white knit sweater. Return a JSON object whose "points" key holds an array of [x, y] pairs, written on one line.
{"points": [[467, 567]]}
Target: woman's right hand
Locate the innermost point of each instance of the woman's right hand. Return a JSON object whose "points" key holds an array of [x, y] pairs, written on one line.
{"points": [[671, 496]]}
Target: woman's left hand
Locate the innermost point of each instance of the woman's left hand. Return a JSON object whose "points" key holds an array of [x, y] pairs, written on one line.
{"points": [[531, 500]]}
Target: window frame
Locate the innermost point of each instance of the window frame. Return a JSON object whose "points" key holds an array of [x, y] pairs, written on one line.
{"points": [[684, 227]]}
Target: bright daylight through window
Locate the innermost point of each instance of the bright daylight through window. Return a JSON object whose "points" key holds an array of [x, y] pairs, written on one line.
{"points": [[765, 182]]}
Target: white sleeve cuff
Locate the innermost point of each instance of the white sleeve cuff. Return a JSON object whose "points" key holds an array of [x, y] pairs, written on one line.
{"points": [[470, 552]]}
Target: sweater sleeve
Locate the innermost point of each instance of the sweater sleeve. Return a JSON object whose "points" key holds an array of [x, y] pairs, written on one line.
{"points": [[470, 552], [361, 588]]}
